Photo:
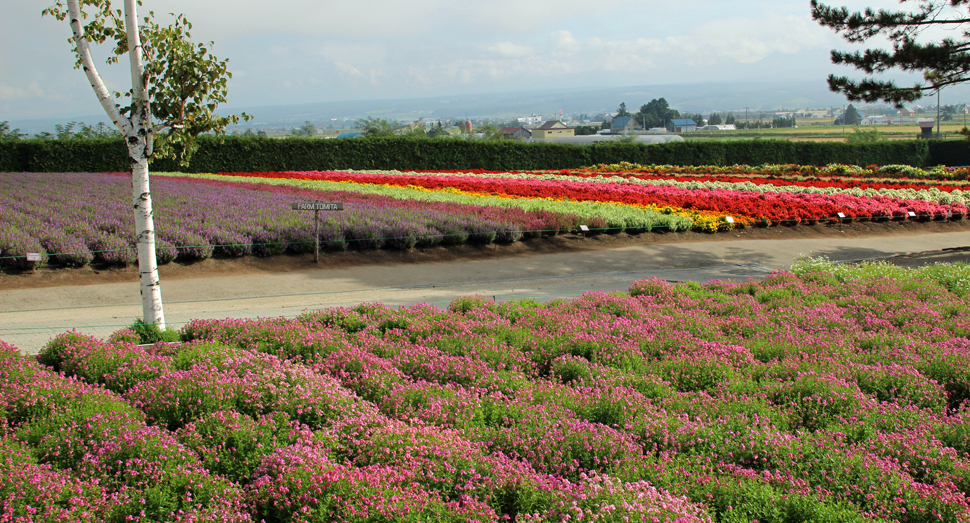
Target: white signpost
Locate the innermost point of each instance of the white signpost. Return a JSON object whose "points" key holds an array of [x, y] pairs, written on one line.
{"points": [[316, 207]]}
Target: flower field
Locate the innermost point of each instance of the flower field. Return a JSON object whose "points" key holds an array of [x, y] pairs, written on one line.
{"points": [[707, 201], [830, 393], [239, 214], [74, 219]]}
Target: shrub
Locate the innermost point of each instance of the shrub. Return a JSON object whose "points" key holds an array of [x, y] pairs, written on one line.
{"points": [[233, 445], [150, 333]]}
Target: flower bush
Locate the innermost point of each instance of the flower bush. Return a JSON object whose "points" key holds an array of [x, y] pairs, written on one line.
{"points": [[828, 393]]}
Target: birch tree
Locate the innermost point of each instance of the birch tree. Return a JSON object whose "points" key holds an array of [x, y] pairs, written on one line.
{"points": [[176, 86]]}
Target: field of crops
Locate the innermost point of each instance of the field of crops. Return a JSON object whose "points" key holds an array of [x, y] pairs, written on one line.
{"points": [[828, 394], [76, 219]]}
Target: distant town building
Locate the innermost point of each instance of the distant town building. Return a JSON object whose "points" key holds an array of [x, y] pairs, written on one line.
{"points": [[516, 133], [817, 113], [622, 125], [351, 135], [678, 125], [530, 121], [552, 130]]}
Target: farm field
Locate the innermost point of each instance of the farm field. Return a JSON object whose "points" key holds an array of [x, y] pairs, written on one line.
{"points": [[813, 129], [828, 393], [248, 214]]}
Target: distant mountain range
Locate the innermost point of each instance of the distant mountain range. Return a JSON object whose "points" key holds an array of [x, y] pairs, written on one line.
{"points": [[704, 98], [692, 98]]}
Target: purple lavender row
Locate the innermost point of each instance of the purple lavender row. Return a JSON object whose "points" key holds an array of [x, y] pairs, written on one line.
{"points": [[74, 219]]}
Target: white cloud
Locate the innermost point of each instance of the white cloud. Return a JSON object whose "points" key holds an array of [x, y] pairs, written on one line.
{"points": [[560, 53], [739, 41], [563, 43], [355, 75], [370, 53], [351, 49], [380, 19], [32, 91], [348, 71], [510, 50], [748, 40]]}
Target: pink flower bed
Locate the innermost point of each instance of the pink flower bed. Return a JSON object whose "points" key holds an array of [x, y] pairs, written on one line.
{"points": [[787, 400]]}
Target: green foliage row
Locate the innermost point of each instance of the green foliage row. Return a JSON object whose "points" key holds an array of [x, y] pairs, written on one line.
{"points": [[255, 154]]}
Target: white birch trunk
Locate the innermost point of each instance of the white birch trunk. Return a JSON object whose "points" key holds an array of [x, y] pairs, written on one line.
{"points": [[139, 135], [151, 291], [140, 144]]}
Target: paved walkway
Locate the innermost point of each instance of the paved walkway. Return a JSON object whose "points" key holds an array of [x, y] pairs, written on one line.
{"points": [[30, 317]]}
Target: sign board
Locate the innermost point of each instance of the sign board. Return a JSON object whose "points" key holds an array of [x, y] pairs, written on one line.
{"points": [[912, 214], [730, 219], [584, 228], [318, 206], [840, 215], [33, 257]]}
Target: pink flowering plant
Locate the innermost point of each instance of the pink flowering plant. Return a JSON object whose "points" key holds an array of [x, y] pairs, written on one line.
{"points": [[828, 393]]}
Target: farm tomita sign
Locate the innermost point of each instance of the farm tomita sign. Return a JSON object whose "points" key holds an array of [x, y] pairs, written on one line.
{"points": [[316, 207]]}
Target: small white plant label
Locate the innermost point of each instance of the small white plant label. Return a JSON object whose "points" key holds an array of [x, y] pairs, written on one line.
{"points": [[730, 219], [584, 228], [840, 215], [33, 256], [912, 214]]}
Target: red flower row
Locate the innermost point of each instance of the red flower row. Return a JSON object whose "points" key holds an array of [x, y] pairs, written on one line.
{"points": [[772, 206]]}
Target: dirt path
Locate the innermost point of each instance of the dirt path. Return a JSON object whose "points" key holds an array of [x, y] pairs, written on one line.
{"points": [[35, 307]]}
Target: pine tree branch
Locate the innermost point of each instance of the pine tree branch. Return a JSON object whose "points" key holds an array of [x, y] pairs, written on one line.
{"points": [[860, 26], [942, 63]]}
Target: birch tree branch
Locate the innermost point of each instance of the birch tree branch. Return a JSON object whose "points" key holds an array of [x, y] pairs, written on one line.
{"points": [[87, 63], [141, 110]]}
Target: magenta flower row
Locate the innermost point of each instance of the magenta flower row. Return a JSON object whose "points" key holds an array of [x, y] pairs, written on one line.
{"points": [[783, 400]]}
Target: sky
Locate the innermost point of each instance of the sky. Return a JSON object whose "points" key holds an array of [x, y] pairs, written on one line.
{"points": [[304, 51]]}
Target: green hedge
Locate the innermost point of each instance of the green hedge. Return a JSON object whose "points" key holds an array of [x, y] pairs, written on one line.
{"points": [[64, 156], [268, 154], [952, 153]]}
